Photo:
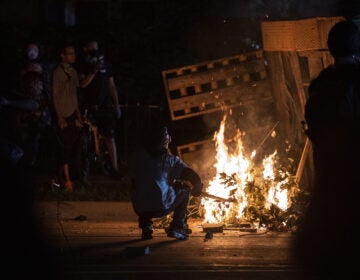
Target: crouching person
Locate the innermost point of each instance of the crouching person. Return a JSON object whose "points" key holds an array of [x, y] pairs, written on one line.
{"points": [[154, 172]]}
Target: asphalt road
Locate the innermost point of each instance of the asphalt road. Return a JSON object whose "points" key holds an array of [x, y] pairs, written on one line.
{"points": [[101, 240]]}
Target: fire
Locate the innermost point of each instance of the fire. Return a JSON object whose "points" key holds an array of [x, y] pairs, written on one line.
{"points": [[276, 195], [235, 163]]}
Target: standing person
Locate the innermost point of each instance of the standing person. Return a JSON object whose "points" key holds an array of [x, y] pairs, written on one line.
{"points": [[34, 81], [328, 240], [30, 126], [34, 62], [99, 96], [68, 117], [154, 172]]}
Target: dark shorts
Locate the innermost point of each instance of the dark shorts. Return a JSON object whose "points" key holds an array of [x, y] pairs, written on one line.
{"points": [[69, 139], [105, 120]]}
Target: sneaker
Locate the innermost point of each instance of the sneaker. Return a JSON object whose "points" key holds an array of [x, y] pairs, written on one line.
{"points": [[147, 234], [54, 183], [179, 234], [187, 230]]}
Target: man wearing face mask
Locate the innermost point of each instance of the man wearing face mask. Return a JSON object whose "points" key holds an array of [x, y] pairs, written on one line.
{"points": [[34, 80], [99, 97]]}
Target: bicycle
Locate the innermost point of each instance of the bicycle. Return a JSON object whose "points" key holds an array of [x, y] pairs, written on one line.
{"points": [[94, 148]]}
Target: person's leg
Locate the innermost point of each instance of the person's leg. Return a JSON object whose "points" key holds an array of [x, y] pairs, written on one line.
{"points": [[68, 140], [68, 182], [146, 225], [31, 146], [107, 127], [178, 225], [111, 147], [86, 152], [82, 161], [180, 208]]}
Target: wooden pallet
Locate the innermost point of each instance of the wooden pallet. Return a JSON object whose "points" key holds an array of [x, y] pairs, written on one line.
{"points": [[210, 86], [200, 156], [297, 35]]}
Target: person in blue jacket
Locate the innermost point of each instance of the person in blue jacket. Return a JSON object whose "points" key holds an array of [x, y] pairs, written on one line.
{"points": [[154, 172]]}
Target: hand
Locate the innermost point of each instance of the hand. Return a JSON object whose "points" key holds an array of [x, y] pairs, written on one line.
{"points": [[62, 123], [196, 192], [95, 69], [35, 67], [197, 189], [118, 112], [4, 101], [78, 123]]}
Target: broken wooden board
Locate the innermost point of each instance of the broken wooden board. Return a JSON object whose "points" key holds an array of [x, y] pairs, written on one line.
{"points": [[212, 227]]}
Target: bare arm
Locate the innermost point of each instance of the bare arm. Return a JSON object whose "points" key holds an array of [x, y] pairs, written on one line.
{"points": [[79, 118], [86, 80], [114, 96]]}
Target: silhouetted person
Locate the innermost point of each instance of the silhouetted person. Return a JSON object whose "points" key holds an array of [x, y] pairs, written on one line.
{"points": [[99, 96], [30, 126], [33, 78], [26, 249], [328, 241]]}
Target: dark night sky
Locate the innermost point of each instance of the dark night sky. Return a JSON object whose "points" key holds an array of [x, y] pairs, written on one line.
{"points": [[145, 37], [191, 27]]}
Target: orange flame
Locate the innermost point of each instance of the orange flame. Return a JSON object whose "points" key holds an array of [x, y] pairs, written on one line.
{"points": [[238, 164]]}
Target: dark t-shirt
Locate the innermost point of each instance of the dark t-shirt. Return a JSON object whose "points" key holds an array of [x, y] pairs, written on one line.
{"points": [[97, 92], [332, 113], [46, 74]]}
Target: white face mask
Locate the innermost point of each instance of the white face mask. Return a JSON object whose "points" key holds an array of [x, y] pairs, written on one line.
{"points": [[32, 52]]}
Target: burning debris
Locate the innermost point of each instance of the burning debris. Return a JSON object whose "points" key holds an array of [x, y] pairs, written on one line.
{"points": [[242, 193], [214, 228]]}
